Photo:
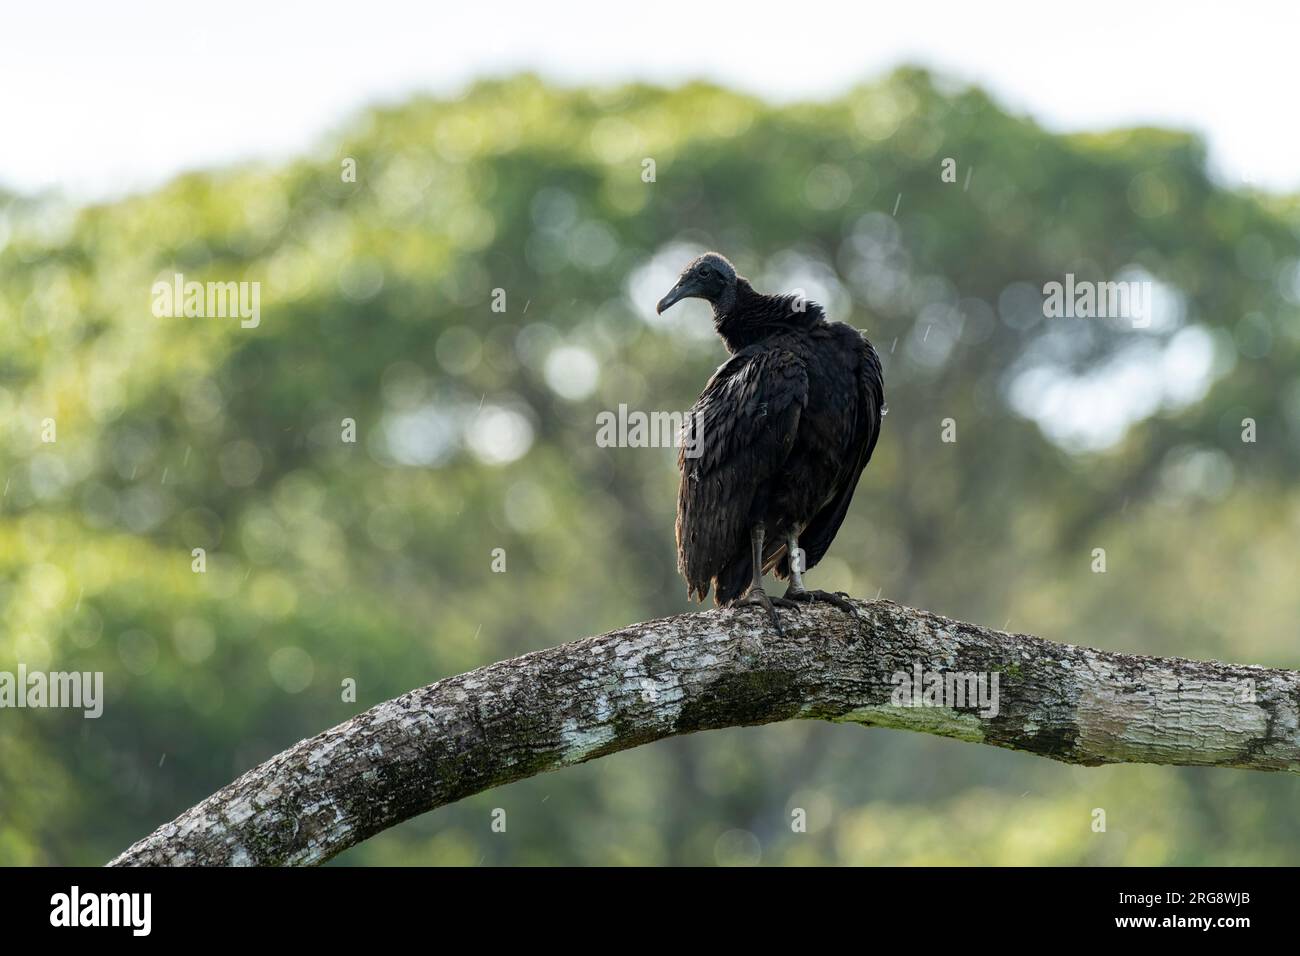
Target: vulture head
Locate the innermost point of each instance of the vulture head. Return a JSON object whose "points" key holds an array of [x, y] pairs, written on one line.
{"points": [[710, 277]]}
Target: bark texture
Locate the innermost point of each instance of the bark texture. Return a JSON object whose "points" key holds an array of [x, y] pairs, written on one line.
{"points": [[725, 668]]}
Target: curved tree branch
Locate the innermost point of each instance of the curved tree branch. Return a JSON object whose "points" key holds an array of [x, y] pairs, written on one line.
{"points": [[727, 668]]}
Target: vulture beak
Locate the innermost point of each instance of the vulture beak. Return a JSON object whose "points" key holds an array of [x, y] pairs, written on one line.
{"points": [[682, 290]]}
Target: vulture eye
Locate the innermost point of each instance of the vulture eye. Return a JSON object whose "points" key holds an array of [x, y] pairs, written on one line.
{"points": [[705, 272]]}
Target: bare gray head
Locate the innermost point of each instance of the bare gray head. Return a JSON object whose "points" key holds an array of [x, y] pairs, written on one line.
{"points": [[710, 277]]}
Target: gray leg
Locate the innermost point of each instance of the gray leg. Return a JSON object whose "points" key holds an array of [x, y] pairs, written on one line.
{"points": [[756, 557], [756, 595], [796, 567], [797, 592]]}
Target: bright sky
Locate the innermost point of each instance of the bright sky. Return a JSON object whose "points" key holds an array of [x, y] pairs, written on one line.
{"points": [[100, 98]]}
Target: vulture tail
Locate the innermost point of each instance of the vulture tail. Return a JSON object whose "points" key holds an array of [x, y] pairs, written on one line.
{"points": [[733, 582]]}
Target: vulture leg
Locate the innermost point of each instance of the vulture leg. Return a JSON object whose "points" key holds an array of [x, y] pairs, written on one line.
{"points": [[756, 596], [797, 592]]}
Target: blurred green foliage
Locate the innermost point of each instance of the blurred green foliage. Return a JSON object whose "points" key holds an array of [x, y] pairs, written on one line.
{"points": [[476, 430]]}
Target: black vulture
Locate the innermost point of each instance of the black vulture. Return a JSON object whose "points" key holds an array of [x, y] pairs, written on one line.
{"points": [[780, 436]]}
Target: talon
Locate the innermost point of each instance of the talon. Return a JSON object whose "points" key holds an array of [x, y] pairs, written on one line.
{"points": [[757, 597], [839, 599]]}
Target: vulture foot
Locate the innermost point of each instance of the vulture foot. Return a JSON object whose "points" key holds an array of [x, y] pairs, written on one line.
{"points": [[757, 597], [837, 598]]}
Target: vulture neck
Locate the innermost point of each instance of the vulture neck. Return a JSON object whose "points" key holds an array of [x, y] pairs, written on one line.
{"points": [[744, 317]]}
